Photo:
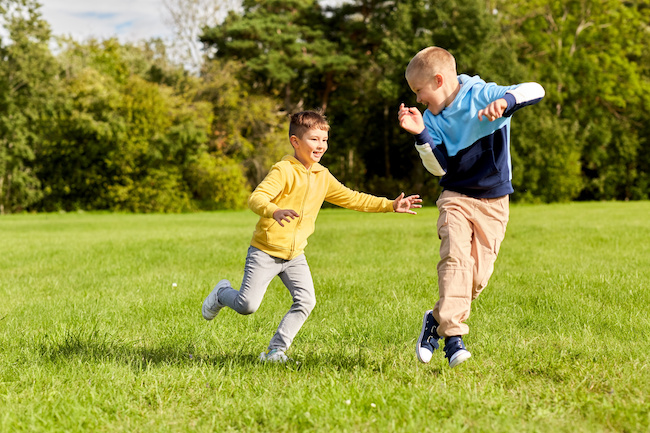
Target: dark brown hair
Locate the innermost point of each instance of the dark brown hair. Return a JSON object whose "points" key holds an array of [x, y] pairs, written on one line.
{"points": [[303, 121]]}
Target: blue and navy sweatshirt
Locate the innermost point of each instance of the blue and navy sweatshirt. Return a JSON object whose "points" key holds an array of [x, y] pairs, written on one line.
{"points": [[472, 156]]}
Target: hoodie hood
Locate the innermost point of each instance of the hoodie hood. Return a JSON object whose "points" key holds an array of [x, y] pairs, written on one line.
{"points": [[315, 167]]}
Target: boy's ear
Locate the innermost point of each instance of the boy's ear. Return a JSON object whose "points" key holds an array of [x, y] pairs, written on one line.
{"points": [[440, 79], [294, 141]]}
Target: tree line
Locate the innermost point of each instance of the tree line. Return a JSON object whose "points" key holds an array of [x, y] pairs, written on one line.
{"points": [[104, 125]]}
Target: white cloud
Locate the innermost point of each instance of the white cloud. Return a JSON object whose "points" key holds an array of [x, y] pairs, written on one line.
{"points": [[128, 20]]}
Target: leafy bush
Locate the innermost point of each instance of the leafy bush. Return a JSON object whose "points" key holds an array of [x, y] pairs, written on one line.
{"points": [[217, 183], [159, 191]]}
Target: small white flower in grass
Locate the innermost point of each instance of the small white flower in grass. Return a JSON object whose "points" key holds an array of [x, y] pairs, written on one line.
{"points": [[174, 285], [373, 405], [348, 402]]}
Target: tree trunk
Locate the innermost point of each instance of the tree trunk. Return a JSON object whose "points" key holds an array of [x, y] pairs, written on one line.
{"points": [[386, 142]]}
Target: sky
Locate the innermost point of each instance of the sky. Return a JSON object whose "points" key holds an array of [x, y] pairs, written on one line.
{"points": [[128, 20]]}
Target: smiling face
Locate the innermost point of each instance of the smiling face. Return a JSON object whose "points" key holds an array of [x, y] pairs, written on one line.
{"points": [[311, 146], [432, 76], [429, 91]]}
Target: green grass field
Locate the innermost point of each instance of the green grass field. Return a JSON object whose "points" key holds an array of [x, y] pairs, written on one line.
{"points": [[93, 337]]}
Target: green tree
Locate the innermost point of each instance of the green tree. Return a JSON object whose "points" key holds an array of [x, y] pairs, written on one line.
{"points": [[27, 82], [591, 56], [121, 138], [217, 182], [248, 128], [285, 48]]}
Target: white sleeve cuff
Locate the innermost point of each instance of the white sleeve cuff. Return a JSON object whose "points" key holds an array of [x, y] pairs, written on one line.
{"points": [[429, 160]]}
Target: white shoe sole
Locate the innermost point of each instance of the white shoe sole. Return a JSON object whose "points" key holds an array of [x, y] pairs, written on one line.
{"points": [[213, 299], [275, 357], [459, 357], [423, 355]]}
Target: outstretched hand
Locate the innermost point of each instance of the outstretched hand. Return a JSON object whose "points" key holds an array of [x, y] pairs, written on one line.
{"points": [[405, 204], [494, 110], [410, 119], [284, 215]]}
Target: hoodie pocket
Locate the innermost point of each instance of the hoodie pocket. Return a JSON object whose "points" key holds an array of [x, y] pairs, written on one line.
{"points": [[275, 235]]}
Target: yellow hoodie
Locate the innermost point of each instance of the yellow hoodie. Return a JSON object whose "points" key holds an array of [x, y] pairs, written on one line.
{"points": [[289, 185]]}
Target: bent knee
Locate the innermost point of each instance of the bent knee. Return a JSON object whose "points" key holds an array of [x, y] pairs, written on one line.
{"points": [[246, 308], [307, 305]]}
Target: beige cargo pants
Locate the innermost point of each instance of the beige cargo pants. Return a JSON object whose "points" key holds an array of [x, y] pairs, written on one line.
{"points": [[471, 231]]}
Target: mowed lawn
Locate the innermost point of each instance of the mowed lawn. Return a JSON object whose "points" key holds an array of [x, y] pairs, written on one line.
{"points": [[94, 337]]}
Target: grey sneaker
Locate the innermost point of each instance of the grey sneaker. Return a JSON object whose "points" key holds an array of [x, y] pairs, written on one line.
{"points": [[274, 355], [211, 304], [428, 340], [455, 350]]}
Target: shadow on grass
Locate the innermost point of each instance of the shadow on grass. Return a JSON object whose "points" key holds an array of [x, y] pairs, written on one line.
{"points": [[91, 346], [96, 347]]}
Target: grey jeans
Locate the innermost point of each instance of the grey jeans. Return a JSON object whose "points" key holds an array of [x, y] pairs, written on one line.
{"points": [[260, 270]]}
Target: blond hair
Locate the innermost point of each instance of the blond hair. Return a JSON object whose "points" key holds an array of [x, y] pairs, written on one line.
{"points": [[305, 120], [431, 61]]}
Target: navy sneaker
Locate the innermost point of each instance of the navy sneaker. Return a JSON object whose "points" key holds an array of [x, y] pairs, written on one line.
{"points": [[455, 350], [428, 341]]}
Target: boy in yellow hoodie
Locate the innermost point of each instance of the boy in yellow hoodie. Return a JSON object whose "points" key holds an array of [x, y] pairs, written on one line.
{"points": [[288, 201]]}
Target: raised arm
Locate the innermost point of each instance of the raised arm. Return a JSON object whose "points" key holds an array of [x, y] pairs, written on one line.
{"points": [[515, 99], [410, 119]]}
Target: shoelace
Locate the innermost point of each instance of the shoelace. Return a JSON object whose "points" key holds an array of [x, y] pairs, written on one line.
{"points": [[431, 328], [453, 347]]}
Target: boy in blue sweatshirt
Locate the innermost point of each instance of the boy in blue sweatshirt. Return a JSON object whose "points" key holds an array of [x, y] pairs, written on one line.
{"points": [[464, 136]]}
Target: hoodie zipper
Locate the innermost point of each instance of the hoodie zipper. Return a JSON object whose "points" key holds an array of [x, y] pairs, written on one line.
{"points": [[302, 212]]}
